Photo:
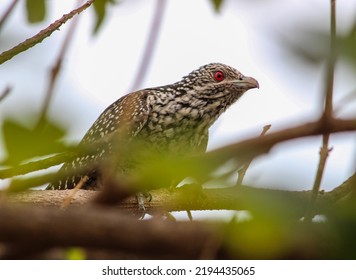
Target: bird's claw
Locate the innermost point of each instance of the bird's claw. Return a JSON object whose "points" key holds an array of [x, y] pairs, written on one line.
{"points": [[141, 197], [148, 196]]}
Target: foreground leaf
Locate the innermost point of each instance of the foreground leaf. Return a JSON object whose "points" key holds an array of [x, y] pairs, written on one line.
{"points": [[36, 10]]}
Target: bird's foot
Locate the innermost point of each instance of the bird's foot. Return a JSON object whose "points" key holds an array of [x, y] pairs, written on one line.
{"points": [[142, 197]]}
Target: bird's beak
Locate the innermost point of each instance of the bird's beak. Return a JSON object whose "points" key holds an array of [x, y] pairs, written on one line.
{"points": [[248, 83]]}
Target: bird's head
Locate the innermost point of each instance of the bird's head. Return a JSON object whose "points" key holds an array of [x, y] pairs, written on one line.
{"points": [[218, 81]]}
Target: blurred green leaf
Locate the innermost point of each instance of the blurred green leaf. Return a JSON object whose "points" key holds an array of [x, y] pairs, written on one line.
{"points": [[167, 170], [23, 142], [347, 46], [313, 46], [310, 45], [261, 239], [36, 10], [100, 8], [217, 5], [75, 254]]}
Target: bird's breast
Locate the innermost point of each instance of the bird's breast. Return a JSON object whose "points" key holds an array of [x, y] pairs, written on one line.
{"points": [[178, 132]]}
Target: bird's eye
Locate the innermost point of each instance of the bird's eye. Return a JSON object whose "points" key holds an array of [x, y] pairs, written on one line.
{"points": [[219, 76]]}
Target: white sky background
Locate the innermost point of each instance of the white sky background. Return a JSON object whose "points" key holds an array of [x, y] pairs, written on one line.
{"points": [[98, 70]]}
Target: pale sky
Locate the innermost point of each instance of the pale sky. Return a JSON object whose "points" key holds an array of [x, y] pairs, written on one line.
{"points": [[246, 35]]}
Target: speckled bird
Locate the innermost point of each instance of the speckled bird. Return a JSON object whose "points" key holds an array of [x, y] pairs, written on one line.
{"points": [[169, 119]]}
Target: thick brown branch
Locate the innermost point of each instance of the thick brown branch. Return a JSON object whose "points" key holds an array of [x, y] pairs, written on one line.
{"points": [[30, 229], [104, 228], [190, 198]]}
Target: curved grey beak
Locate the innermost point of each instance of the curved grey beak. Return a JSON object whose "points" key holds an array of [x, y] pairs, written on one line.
{"points": [[248, 82]]}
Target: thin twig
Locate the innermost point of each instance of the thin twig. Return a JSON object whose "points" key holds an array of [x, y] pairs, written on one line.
{"points": [[5, 93], [260, 145], [150, 45], [73, 191], [43, 34], [7, 13], [329, 81], [242, 171], [327, 113], [56, 69]]}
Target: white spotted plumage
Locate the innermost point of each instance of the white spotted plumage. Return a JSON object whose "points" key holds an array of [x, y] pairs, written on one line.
{"points": [[173, 118]]}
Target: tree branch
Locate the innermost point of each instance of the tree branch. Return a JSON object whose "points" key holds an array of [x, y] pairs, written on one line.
{"points": [[7, 13], [102, 228], [327, 114], [260, 145], [56, 70], [150, 45], [43, 34], [5, 93], [189, 198], [106, 228]]}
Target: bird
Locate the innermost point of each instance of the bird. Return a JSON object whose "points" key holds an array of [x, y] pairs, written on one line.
{"points": [[173, 119]]}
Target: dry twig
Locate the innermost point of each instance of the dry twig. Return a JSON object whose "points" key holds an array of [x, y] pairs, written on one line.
{"points": [[43, 34], [74, 191], [243, 170], [56, 70], [5, 93], [7, 13], [150, 45]]}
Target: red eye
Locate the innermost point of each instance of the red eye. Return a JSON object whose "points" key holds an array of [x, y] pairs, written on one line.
{"points": [[219, 76]]}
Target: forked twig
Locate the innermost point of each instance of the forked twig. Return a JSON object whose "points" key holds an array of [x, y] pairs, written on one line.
{"points": [[242, 171]]}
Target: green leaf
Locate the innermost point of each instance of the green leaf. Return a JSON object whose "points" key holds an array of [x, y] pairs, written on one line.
{"points": [[217, 5], [311, 46], [100, 8], [347, 46], [23, 142], [36, 10], [75, 254]]}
